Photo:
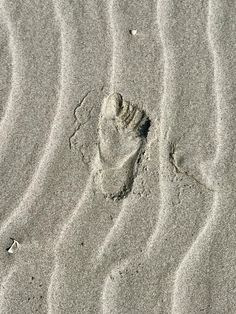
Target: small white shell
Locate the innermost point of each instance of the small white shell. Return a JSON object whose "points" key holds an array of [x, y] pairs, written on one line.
{"points": [[14, 247]]}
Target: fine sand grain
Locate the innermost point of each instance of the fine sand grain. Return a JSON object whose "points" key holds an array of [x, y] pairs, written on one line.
{"points": [[117, 157]]}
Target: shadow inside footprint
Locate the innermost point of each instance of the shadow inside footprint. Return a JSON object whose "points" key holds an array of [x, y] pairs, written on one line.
{"points": [[144, 128], [123, 129]]}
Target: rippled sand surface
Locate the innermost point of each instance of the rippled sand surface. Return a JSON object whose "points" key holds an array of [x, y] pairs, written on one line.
{"points": [[117, 157]]}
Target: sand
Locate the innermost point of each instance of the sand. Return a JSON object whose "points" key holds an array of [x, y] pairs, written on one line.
{"points": [[117, 157]]}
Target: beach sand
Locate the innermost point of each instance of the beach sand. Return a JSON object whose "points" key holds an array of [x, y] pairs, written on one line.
{"points": [[117, 157]]}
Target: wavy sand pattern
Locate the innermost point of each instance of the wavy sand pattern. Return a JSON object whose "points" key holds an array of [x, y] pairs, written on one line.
{"points": [[117, 144]]}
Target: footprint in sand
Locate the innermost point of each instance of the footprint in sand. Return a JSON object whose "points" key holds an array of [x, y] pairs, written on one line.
{"points": [[123, 129]]}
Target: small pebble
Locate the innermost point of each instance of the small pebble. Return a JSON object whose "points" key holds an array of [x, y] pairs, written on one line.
{"points": [[133, 31]]}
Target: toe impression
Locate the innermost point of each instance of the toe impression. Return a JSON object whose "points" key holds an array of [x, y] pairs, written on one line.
{"points": [[112, 106]]}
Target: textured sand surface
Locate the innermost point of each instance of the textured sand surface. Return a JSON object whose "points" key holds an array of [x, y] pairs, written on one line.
{"points": [[117, 156]]}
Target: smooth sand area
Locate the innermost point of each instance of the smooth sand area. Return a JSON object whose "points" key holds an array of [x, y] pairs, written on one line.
{"points": [[117, 157]]}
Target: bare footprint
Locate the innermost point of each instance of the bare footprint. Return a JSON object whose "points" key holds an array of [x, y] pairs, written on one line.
{"points": [[123, 130]]}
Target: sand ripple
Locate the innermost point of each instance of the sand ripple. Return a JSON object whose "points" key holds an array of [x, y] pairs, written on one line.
{"points": [[166, 243]]}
